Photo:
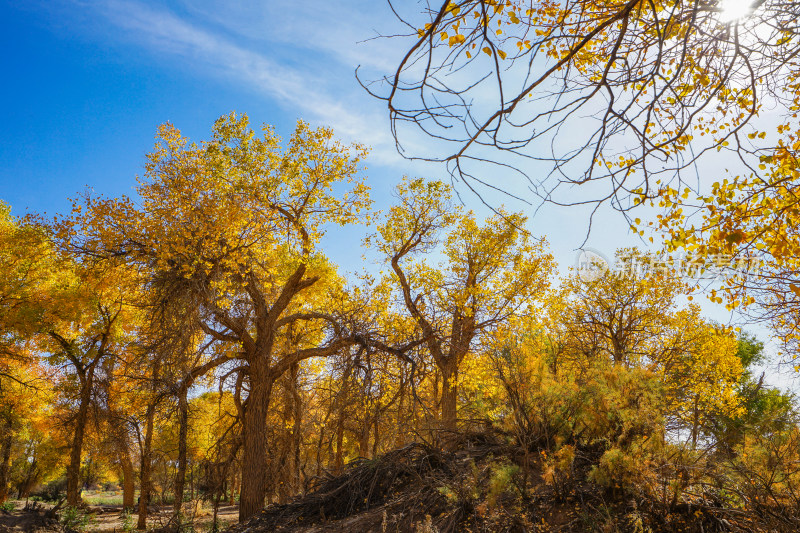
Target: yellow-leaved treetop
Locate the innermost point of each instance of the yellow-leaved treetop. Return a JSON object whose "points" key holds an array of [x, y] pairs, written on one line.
{"points": [[746, 229], [230, 228], [629, 316], [72, 313], [488, 273]]}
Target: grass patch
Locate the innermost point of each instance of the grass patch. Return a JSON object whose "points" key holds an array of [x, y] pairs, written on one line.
{"points": [[102, 497]]}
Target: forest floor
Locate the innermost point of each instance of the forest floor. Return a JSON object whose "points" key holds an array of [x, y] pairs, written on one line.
{"points": [[484, 486], [107, 519]]}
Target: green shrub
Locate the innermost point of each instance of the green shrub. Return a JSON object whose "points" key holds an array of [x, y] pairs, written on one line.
{"points": [[73, 519]]}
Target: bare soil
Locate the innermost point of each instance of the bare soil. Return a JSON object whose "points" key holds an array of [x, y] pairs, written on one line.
{"points": [[108, 519], [420, 489]]}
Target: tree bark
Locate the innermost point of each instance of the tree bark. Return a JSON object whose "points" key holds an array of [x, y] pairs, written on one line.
{"points": [[400, 436], [146, 466], [122, 444], [254, 459], [297, 417], [74, 467], [128, 480], [180, 476], [448, 416], [5, 459], [232, 491], [363, 438]]}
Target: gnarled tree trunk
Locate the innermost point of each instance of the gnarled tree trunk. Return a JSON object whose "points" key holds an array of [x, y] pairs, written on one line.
{"points": [[254, 459]]}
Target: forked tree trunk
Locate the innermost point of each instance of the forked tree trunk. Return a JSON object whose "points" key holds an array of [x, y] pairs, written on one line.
{"points": [[254, 457], [31, 478], [146, 463]]}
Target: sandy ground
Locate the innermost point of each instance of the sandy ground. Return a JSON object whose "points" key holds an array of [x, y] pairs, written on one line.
{"points": [[109, 518]]}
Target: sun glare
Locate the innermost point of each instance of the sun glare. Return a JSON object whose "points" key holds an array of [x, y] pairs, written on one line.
{"points": [[731, 10]]}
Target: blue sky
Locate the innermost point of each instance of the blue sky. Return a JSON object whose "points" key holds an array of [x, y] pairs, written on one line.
{"points": [[89, 81], [86, 83]]}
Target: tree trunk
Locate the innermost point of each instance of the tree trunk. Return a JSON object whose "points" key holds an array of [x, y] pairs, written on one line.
{"points": [[232, 492], [363, 440], [31, 475], [297, 416], [449, 419], [695, 422], [376, 433], [180, 476], [146, 466], [5, 459], [341, 398], [400, 436], [128, 480], [338, 464], [254, 430], [74, 467], [126, 463]]}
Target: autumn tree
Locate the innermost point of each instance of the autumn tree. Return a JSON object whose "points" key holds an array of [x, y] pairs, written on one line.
{"points": [[489, 272], [88, 324], [630, 316], [63, 310], [25, 258], [633, 100], [619, 314], [231, 227], [744, 237], [115, 403], [29, 271], [765, 410]]}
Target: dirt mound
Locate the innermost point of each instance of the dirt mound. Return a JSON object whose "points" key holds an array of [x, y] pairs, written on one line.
{"points": [[486, 485], [29, 522]]}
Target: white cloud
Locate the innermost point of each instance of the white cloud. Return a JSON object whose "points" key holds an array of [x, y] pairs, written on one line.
{"points": [[341, 30], [352, 115]]}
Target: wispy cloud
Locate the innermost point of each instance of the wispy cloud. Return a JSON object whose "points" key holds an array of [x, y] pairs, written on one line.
{"points": [[343, 30], [165, 33]]}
